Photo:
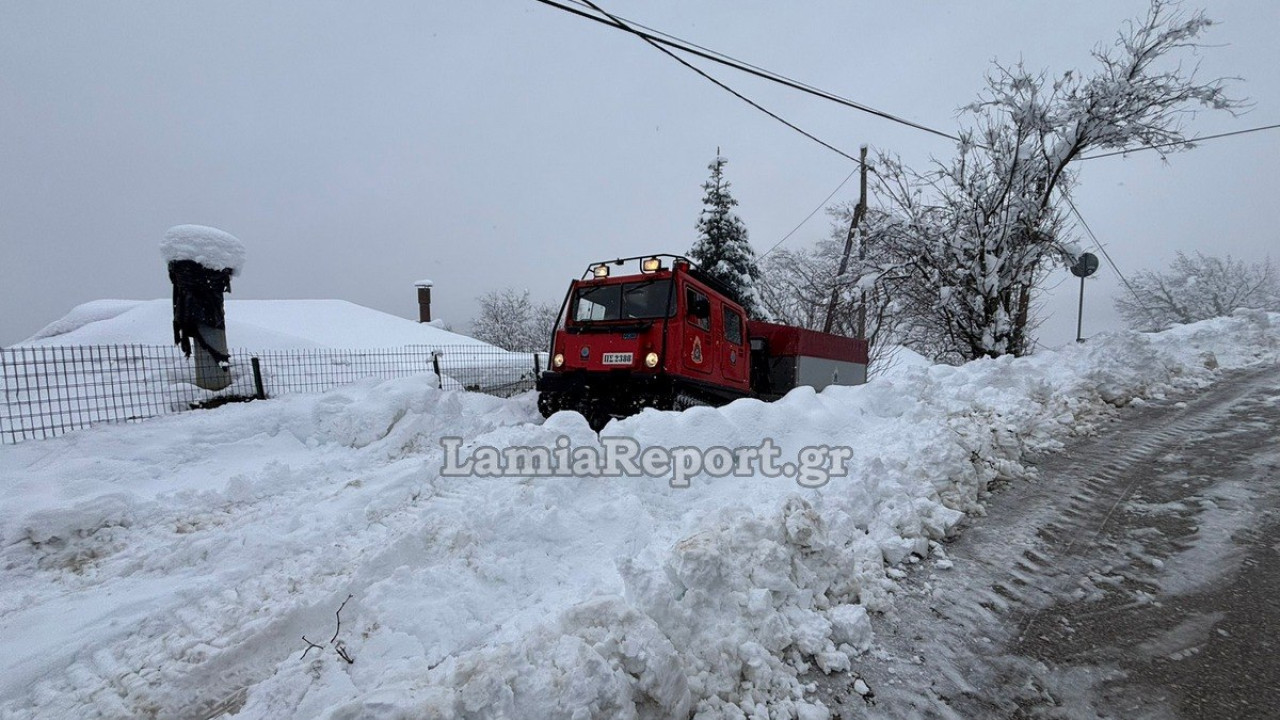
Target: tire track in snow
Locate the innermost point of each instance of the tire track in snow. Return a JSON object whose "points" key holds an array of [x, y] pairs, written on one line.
{"points": [[977, 640]]}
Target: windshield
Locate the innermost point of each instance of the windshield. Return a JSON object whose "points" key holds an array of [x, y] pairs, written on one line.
{"points": [[643, 300]]}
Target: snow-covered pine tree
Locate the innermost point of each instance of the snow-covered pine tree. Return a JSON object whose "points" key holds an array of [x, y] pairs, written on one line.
{"points": [[722, 250]]}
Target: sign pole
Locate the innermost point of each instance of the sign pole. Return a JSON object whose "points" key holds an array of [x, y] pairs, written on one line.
{"points": [[1080, 314], [1085, 265]]}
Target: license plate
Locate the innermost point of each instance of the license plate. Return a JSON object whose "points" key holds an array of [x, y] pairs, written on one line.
{"points": [[616, 358]]}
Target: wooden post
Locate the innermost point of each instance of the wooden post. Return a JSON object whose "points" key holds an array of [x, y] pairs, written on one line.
{"points": [[259, 391], [858, 212], [862, 247]]}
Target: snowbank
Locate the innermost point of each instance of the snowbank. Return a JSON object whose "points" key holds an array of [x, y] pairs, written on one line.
{"points": [[897, 360], [171, 568], [210, 247]]}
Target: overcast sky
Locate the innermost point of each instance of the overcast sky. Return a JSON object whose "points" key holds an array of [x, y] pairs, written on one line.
{"points": [[358, 147]]}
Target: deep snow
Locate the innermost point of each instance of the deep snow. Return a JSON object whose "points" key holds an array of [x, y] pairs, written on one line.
{"points": [[170, 568]]}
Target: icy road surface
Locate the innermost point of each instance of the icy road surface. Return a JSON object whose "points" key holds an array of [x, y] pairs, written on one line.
{"points": [[1138, 578]]}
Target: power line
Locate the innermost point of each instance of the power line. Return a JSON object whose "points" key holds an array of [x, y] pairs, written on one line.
{"points": [[656, 38], [1107, 255], [1074, 210], [621, 23], [1182, 142], [1085, 224], [810, 215], [728, 59], [718, 83]]}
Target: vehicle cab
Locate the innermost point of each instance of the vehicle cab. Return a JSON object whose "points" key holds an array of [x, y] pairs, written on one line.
{"points": [[648, 331]]}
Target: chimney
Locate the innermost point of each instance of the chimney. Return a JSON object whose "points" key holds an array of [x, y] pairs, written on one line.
{"points": [[424, 300]]}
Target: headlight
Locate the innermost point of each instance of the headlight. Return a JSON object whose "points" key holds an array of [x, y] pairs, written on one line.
{"points": [[651, 360], [600, 271], [651, 265], [558, 360]]}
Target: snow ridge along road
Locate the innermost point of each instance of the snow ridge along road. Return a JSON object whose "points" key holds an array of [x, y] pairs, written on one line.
{"points": [[169, 569], [1136, 578]]}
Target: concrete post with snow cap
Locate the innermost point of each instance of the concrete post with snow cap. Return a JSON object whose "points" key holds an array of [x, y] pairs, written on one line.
{"points": [[201, 262]]}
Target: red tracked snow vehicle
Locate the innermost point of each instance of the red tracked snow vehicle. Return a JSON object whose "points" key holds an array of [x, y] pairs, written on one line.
{"points": [[670, 337]]}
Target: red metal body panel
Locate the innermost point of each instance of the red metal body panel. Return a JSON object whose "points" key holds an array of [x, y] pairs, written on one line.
{"points": [[688, 347], [618, 336], [785, 340], [702, 358]]}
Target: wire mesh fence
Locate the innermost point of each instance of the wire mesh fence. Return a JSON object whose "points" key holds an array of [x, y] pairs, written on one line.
{"points": [[48, 391]]}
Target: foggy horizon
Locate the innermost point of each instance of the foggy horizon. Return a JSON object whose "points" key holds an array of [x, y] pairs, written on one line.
{"points": [[355, 150]]}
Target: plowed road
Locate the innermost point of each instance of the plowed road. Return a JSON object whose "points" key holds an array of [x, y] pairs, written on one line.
{"points": [[1138, 577]]}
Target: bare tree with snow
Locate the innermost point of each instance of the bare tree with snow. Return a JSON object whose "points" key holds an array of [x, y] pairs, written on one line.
{"points": [[796, 286], [510, 320], [1198, 287], [978, 233]]}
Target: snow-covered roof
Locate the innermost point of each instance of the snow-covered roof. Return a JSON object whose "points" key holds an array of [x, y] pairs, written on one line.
{"points": [[208, 246], [251, 324]]}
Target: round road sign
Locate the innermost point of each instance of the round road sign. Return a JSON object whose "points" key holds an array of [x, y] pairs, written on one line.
{"points": [[1086, 265]]}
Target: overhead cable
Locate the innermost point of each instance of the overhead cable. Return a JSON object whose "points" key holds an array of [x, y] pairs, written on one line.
{"points": [[723, 86], [657, 38], [1188, 141]]}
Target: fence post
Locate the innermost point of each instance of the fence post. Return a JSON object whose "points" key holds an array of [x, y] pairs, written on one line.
{"points": [[537, 366], [9, 435], [435, 364], [258, 391]]}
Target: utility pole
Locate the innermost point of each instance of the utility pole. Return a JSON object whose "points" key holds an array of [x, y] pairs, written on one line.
{"points": [[862, 246], [858, 213]]}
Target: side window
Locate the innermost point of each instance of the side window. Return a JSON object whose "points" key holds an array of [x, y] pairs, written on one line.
{"points": [[696, 308], [732, 326]]}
